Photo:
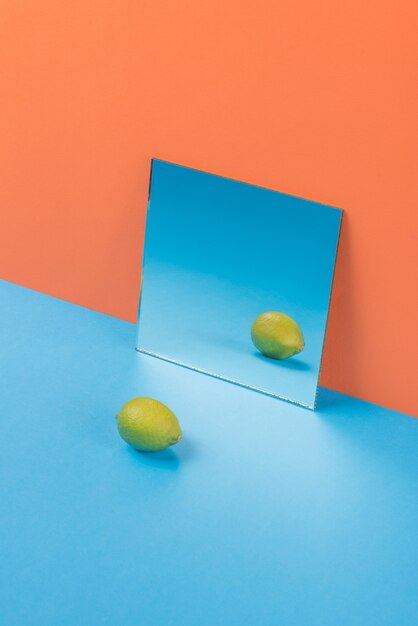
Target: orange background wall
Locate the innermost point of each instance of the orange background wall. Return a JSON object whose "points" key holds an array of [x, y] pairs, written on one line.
{"points": [[313, 98]]}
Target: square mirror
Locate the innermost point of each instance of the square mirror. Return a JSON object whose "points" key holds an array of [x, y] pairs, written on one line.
{"points": [[236, 281]]}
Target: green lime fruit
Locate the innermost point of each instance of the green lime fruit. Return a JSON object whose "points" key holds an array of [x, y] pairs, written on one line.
{"points": [[277, 335], [148, 425]]}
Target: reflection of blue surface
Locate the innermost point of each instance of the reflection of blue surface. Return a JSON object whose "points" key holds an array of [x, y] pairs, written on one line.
{"points": [[265, 514], [218, 253]]}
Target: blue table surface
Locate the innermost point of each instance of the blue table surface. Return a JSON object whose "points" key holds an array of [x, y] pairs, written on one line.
{"points": [[265, 514]]}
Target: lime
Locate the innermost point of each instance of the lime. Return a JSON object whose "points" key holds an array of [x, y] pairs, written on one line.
{"points": [[277, 335], [148, 425]]}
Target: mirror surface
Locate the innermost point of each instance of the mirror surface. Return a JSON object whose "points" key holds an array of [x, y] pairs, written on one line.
{"points": [[218, 254]]}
